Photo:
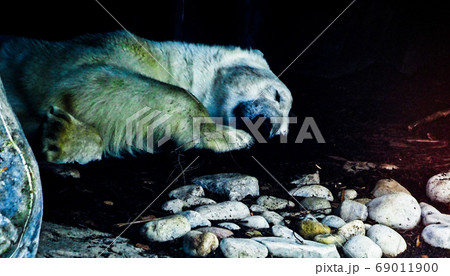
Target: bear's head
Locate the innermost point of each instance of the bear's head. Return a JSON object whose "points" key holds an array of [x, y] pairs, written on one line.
{"points": [[248, 88]]}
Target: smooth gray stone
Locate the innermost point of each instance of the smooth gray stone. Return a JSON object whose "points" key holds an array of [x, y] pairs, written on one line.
{"points": [[273, 217], [243, 248], [235, 186], [350, 210], [333, 221], [166, 228], [313, 190], [288, 248], [187, 191], [255, 222], [274, 203], [317, 205], [59, 241], [227, 210], [20, 188], [229, 225]]}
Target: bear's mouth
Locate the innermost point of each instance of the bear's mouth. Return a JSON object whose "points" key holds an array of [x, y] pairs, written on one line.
{"points": [[249, 119]]}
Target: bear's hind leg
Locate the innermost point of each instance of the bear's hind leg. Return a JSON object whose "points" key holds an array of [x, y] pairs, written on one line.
{"points": [[66, 139]]}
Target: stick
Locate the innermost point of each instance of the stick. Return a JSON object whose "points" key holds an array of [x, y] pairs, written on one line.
{"points": [[430, 118]]}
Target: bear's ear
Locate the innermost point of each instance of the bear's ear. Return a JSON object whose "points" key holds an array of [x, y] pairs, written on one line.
{"points": [[258, 52]]}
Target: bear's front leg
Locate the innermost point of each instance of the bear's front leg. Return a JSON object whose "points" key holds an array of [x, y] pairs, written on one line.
{"points": [[67, 140]]}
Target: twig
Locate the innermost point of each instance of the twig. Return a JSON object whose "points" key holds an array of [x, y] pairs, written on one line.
{"points": [[430, 118]]}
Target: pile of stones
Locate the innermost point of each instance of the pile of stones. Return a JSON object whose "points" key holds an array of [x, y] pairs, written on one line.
{"points": [[303, 224]]}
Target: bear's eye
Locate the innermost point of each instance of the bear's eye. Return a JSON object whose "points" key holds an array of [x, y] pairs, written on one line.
{"points": [[277, 96]]}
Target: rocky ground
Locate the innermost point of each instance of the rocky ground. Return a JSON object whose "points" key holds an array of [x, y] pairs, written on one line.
{"points": [[369, 128]]}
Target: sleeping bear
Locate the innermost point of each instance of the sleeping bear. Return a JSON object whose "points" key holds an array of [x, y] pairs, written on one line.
{"points": [[80, 94]]}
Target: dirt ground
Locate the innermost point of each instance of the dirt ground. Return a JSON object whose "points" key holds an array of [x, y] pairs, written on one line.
{"points": [[362, 116]]}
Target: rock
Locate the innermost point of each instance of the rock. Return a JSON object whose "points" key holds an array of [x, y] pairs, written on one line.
{"points": [[309, 228], [187, 191], [284, 232], [8, 234], [348, 194], [20, 188], [431, 215], [243, 248], [333, 221], [288, 248], [367, 226], [198, 244], [351, 229], [362, 247], [388, 186], [312, 190], [220, 233], [166, 228], [253, 233], [257, 208], [437, 235], [316, 204], [350, 210], [398, 211], [390, 242], [335, 239], [273, 217], [255, 222], [436, 219], [438, 188], [174, 206], [358, 166], [235, 186], [427, 209], [195, 219], [229, 226], [307, 179], [197, 201], [363, 200], [227, 210], [59, 241], [274, 203]]}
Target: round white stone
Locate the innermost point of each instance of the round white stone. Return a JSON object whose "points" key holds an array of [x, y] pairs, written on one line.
{"points": [[438, 188], [390, 242], [398, 211], [362, 247], [437, 235]]}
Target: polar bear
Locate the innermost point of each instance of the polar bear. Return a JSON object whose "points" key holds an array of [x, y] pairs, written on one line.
{"points": [[83, 91]]}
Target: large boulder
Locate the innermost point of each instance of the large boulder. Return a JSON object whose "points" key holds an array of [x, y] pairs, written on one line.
{"points": [[20, 188]]}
